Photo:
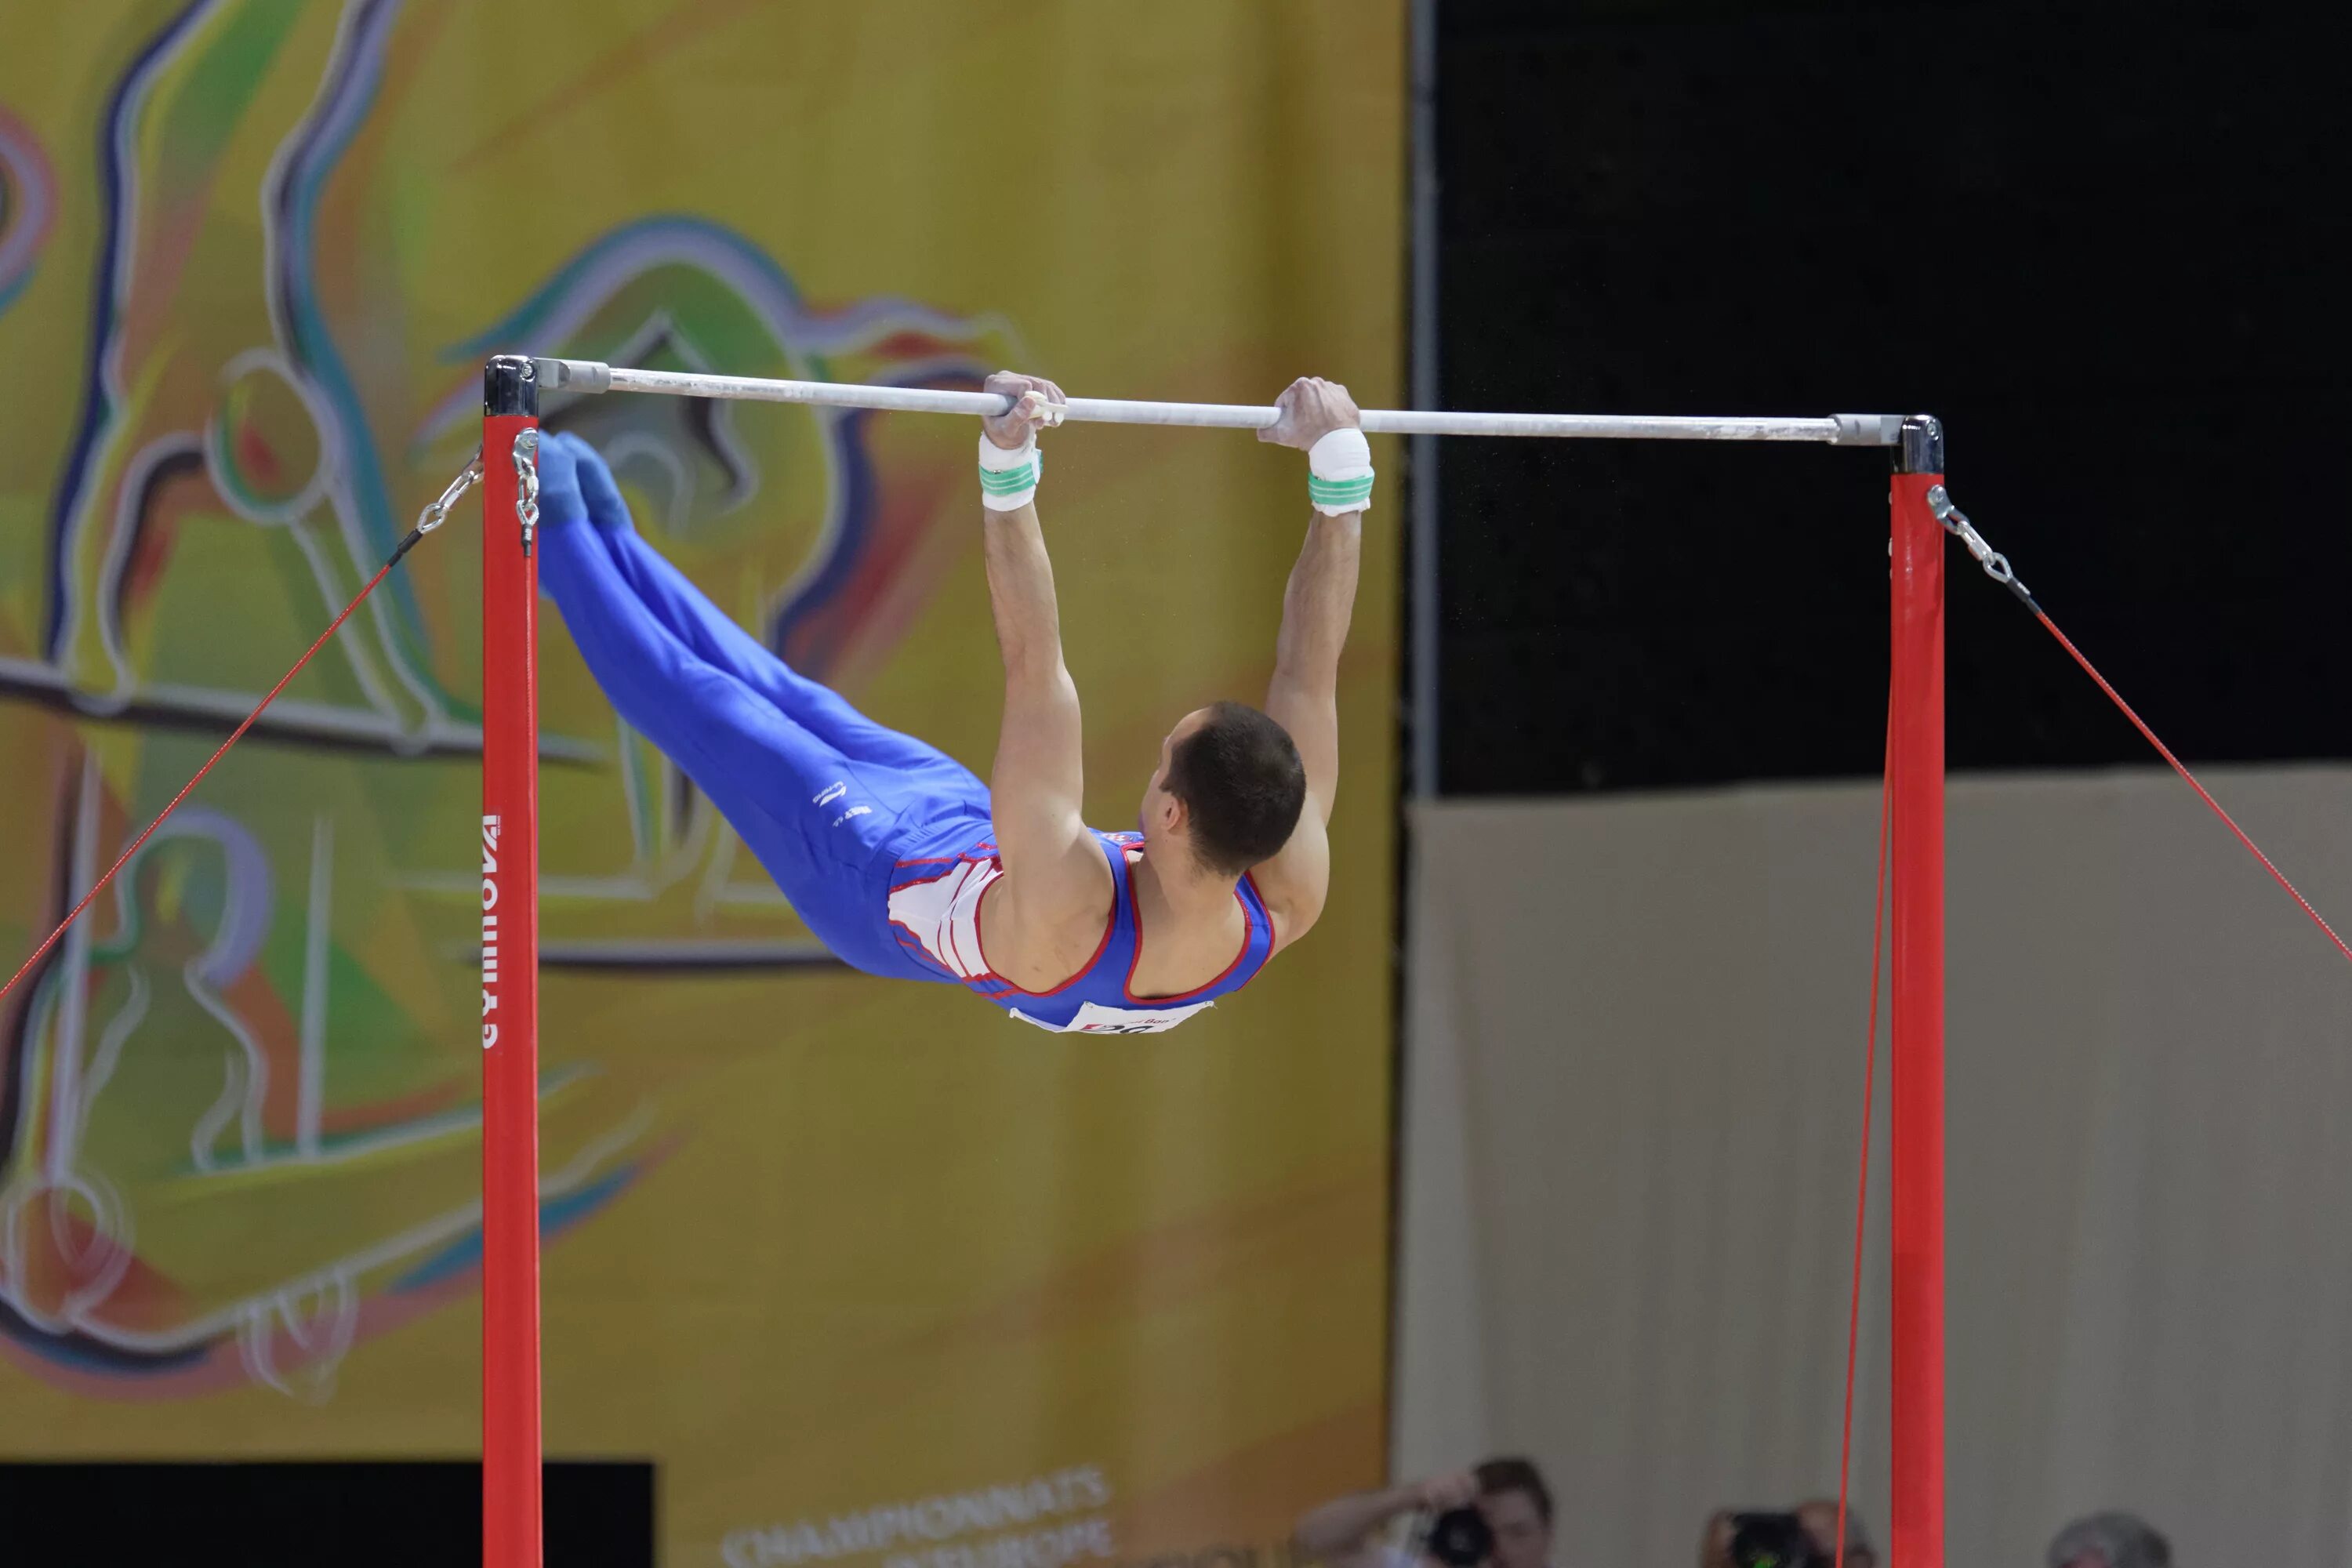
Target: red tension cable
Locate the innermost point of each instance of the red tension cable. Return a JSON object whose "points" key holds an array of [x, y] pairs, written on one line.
{"points": [[2190, 779], [1862, 1182], [1995, 566], [234, 736]]}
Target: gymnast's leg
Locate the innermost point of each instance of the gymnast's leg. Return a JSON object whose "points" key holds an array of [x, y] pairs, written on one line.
{"points": [[681, 608], [820, 821]]}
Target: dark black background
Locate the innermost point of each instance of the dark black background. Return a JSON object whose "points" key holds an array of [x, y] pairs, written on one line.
{"points": [[370, 1513], [2104, 243]]}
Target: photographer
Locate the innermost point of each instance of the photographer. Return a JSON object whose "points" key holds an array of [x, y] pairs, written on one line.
{"points": [[1803, 1537], [1496, 1516]]}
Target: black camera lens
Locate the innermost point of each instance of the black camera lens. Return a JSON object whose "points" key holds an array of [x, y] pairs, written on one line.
{"points": [[1773, 1541], [1459, 1538]]}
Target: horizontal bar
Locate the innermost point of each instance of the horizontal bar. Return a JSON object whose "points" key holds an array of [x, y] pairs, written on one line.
{"points": [[1836, 429]]}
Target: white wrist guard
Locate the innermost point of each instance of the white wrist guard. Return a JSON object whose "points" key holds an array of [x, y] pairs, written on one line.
{"points": [[1008, 477], [1340, 473]]}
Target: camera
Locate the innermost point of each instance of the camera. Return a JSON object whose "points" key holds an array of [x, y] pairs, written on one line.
{"points": [[1459, 1538], [1774, 1540]]}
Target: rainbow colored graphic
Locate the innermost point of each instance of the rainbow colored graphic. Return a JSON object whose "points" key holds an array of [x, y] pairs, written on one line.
{"points": [[278, 1077], [816, 1242]]}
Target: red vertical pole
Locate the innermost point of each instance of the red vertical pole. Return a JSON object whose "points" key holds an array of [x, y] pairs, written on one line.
{"points": [[1916, 1138], [511, 1436]]}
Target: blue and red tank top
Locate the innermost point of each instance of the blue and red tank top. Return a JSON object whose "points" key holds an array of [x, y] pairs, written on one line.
{"points": [[935, 914]]}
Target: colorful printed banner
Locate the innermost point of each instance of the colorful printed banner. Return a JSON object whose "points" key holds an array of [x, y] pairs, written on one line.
{"points": [[872, 1274]]}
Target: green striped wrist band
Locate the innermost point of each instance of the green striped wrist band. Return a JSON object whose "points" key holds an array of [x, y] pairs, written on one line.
{"points": [[1347, 494], [1009, 481]]}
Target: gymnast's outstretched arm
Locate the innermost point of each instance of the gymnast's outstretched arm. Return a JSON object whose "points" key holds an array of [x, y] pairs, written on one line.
{"points": [[1054, 876], [1304, 695]]}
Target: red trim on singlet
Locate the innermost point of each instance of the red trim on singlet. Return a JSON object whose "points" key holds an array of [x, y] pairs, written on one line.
{"points": [[979, 935], [951, 862], [1126, 986], [1273, 927]]}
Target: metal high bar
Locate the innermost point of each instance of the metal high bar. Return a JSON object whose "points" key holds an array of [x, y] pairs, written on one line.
{"points": [[588, 376]]}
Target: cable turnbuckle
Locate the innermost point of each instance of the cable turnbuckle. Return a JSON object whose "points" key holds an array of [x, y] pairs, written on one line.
{"points": [[438, 511], [1956, 523]]}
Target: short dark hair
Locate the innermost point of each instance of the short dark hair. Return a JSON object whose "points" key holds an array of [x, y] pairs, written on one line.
{"points": [[2119, 1540], [1516, 1475], [1242, 785]]}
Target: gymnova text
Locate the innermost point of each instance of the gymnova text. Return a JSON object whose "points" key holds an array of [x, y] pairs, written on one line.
{"points": [[1046, 1521]]}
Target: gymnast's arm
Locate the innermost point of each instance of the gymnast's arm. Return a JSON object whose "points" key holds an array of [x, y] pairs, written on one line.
{"points": [[1304, 696], [1055, 878]]}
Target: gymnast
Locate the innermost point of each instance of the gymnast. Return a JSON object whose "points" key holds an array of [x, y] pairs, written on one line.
{"points": [[898, 857]]}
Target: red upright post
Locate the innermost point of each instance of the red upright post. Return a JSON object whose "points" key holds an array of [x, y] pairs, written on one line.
{"points": [[510, 1439], [1915, 1139]]}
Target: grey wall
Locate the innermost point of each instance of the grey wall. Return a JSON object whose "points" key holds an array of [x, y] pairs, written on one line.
{"points": [[1633, 1096]]}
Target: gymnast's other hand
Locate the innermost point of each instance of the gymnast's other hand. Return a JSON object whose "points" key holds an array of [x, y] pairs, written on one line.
{"points": [[574, 483], [1037, 405], [1310, 409]]}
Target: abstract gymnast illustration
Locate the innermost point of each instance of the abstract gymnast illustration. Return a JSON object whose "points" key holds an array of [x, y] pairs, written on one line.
{"points": [[905, 864]]}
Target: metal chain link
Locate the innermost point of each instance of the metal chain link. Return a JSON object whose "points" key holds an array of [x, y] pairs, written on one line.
{"points": [[526, 466], [437, 513], [1956, 523]]}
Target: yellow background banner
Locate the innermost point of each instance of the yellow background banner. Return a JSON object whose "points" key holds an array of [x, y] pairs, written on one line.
{"points": [[839, 1255]]}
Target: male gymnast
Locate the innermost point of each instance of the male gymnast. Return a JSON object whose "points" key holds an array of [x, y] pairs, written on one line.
{"points": [[898, 857]]}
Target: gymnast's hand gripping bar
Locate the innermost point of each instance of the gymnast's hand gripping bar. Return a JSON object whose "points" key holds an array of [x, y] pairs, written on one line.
{"points": [[1836, 429]]}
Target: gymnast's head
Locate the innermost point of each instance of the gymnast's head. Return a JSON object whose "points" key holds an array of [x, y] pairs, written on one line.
{"points": [[1227, 792]]}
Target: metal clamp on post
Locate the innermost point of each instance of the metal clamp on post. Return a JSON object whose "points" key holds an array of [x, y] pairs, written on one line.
{"points": [[1867, 429], [1996, 565], [581, 375], [526, 463]]}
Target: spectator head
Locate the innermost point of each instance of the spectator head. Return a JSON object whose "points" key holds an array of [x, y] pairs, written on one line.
{"points": [[2110, 1540], [1517, 1506]]}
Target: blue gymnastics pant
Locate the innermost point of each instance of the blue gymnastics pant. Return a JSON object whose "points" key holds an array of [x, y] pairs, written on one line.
{"points": [[828, 800]]}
